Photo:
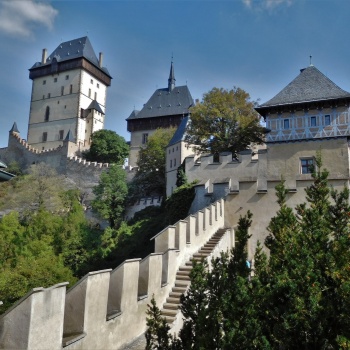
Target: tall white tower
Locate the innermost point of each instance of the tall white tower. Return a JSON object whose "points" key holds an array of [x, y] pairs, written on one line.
{"points": [[68, 94]]}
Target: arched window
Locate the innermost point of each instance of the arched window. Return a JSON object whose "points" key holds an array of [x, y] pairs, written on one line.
{"points": [[47, 114]]}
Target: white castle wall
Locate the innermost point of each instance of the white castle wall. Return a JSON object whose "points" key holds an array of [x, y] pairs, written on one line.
{"points": [[107, 309], [249, 182]]}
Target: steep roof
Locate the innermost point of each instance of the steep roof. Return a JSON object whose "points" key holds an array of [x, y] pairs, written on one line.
{"points": [[96, 106], [165, 103], [72, 49], [310, 85], [180, 132]]}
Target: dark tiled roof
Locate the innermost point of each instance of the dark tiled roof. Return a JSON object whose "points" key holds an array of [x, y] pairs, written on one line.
{"points": [[2, 164], [72, 49], [69, 137], [309, 85], [133, 114], [165, 103], [95, 105], [180, 132]]}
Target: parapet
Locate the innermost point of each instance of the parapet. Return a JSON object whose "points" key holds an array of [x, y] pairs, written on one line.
{"points": [[107, 309]]}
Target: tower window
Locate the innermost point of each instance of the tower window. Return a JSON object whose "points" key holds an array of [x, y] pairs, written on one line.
{"points": [[62, 90], [171, 163], [313, 121], [71, 89], [89, 92], [44, 82], [60, 134], [98, 85], [67, 77], [95, 95], [55, 80], [44, 136], [144, 138], [48, 95], [286, 124], [47, 113], [327, 120], [91, 81]]}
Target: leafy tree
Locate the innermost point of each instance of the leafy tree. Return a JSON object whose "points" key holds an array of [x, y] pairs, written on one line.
{"points": [[224, 121], [110, 195], [107, 147], [150, 178], [299, 296]]}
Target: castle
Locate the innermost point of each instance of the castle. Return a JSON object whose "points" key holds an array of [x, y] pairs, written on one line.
{"points": [[106, 309]]}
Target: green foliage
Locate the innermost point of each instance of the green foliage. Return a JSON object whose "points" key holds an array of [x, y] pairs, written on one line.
{"points": [[181, 178], [14, 168], [150, 178], [179, 203], [299, 296], [224, 121], [107, 147], [111, 194]]}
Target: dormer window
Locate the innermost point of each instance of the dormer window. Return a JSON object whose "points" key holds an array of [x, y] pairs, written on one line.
{"points": [[327, 120], [312, 121]]}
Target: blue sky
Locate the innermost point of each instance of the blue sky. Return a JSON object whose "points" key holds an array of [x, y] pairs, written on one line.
{"points": [[257, 45]]}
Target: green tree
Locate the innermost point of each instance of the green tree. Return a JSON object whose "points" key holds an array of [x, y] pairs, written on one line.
{"points": [[299, 296], [150, 178], [111, 193], [224, 121], [107, 147]]}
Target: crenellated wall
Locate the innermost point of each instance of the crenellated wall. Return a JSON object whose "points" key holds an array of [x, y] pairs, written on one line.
{"points": [[107, 309], [248, 183]]}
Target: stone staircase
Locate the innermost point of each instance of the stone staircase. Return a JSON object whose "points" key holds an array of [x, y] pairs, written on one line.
{"points": [[182, 282]]}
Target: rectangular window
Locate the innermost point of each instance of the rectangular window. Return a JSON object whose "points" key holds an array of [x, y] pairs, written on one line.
{"points": [[144, 138], [55, 80], [71, 89], [171, 163], [313, 121], [61, 135], [327, 120], [44, 136], [67, 77], [48, 95], [89, 92], [175, 162], [91, 81], [286, 124], [62, 90], [98, 85], [306, 165], [44, 82], [96, 96]]}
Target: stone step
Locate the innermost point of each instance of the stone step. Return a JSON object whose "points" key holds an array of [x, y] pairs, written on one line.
{"points": [[183, 273], [185, 268], [182, 283], [169, 312], [171, 306], [173, 300], [179, 289], [175, 295], [182, 278]]}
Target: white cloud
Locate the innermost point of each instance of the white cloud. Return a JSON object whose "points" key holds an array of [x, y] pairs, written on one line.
{"points": [[266, 4], [18, 17]]}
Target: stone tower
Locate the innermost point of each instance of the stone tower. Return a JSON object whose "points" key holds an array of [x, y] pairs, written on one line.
{"points": [[68, 94]]}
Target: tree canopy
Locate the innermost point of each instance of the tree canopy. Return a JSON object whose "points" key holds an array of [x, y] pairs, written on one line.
{"points": [[107, 147], [150, 178], [299, 295], [111, 194], [224, 121]]}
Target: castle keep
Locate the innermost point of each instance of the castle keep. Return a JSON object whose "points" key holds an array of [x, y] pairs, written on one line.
{"points": [[68, 96]]}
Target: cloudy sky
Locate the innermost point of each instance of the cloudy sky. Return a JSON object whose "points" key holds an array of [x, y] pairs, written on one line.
{"points": [[258, 45]]}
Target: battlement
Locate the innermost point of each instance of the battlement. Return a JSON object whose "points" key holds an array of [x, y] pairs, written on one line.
{"points": [[107, 309]]}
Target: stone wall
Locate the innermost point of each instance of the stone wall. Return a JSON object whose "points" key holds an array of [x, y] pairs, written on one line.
{"points": [[107, 309], [249, 182]]}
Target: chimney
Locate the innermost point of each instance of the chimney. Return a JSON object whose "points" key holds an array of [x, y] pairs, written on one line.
{"points": [[44, 56], [100, 59]]}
